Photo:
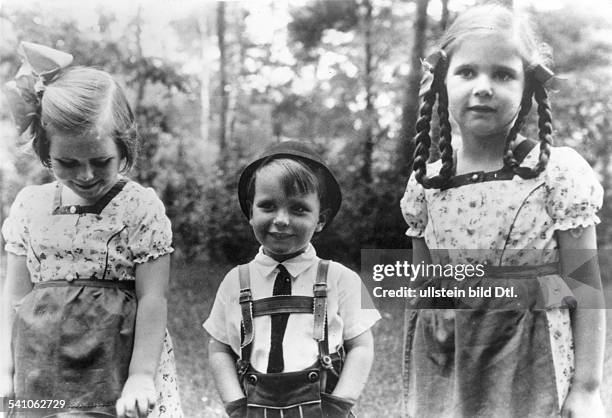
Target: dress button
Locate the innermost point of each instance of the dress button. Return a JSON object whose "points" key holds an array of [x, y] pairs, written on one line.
{"points": [[69, 277], [72, 209]]}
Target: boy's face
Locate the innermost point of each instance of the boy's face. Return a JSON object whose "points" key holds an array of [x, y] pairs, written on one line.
{"points": [[283, 224]]}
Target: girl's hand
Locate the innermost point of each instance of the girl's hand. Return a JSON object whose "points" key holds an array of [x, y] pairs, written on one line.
{"points": [[583, 403], [138, 397]]}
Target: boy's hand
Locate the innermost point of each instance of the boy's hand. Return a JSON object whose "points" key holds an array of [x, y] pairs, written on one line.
{"points": [[138, 397], [583, 403]]}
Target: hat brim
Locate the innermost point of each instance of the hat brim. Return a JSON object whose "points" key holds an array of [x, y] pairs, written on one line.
{"points": [[334, 195]]}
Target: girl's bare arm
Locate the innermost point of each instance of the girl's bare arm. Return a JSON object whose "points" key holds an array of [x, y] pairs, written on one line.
{"points": [[578, 254]]}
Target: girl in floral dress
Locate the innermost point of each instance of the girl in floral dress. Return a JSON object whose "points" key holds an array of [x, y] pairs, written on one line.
{"points": [[526, 213], [88, 255]]}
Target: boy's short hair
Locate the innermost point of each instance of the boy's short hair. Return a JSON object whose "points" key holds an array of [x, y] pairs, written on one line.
{"points": [[301, 170], [296, 176]]}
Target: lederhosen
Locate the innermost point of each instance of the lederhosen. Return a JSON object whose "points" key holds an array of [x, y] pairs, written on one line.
{"points": [[294, 393], [73, 340], [484, 357]]}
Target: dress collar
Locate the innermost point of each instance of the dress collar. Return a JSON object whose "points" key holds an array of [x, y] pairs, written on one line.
{"points": [[295, 266], [96, 208]]}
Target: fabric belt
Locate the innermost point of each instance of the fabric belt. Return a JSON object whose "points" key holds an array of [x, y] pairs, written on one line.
{"points": [[521, 272], [119, 284]]}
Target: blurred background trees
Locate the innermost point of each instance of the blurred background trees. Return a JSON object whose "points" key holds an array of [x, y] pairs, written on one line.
{"points": [[215, 83]]}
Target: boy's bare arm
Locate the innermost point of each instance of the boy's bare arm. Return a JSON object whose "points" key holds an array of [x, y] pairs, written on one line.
{"points": [[223, 365], [359, 356]]}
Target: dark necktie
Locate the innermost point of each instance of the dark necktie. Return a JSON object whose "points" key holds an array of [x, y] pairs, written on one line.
{"points": [[282, 286]]}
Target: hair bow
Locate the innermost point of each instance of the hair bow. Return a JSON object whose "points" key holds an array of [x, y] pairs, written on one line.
{"points": [[40, 65], [429, 65], [541, 72]]}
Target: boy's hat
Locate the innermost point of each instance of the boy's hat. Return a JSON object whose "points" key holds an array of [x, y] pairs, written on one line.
{"points": [[294, 150]]}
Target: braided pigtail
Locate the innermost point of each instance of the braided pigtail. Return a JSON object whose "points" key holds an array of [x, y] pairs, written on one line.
{"points": [[446, 149], [536, 85], [544, 125], [525, 107], [423, 126], [422, 138]]}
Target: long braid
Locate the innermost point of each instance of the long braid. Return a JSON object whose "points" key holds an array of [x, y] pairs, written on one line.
{"points": [[423, 127], [446, 149], [525, 107], [422, 138], [544, 125]]}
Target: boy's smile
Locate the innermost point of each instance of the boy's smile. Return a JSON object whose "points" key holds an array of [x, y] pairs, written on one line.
{"points": [[283, 224]]}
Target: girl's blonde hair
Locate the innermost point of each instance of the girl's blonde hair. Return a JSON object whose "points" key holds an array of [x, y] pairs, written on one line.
{"points": [[83, 100], [487, 19]]}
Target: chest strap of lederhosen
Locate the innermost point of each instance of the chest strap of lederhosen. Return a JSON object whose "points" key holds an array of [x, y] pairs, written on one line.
{"points": [[317, 305]]}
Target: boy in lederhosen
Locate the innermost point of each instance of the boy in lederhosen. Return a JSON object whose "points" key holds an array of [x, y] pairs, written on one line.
{"points": [[289, 335]]}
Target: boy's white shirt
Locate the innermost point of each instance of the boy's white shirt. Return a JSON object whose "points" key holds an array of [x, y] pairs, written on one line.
{"points": [[346, 318]]}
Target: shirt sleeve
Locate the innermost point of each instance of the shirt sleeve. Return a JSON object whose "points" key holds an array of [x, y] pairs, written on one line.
{"points": [[15, 228], [219, 321], [574, 195], [354, 305], [414, 208], [150, 231]]}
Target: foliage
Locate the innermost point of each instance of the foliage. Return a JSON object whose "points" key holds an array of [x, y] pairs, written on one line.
{"points": [[307, 85], [309, 22]]}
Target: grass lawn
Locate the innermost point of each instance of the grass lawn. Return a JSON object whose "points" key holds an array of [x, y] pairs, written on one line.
{"points": [[192, 293]]}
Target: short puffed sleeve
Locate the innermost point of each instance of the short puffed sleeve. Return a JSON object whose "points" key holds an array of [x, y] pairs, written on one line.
{"points": [[16, 227], [574, 195], [414, 208], [149, 229]]}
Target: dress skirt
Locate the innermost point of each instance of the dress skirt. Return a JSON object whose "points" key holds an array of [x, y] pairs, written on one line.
{"points": [[75, 345], [490, 361]]}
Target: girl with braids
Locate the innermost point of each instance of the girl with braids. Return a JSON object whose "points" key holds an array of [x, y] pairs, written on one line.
{"points": [[525, 214], [88, 256]]}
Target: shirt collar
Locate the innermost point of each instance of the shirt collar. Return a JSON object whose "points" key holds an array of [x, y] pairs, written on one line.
{"points": [[295, 266]]}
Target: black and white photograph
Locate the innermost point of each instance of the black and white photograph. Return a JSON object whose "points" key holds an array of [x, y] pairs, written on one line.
{"points": [[305, 208]]}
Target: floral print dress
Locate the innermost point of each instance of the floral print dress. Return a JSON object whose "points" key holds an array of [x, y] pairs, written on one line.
{"points": [[105, 241], [509, 222]]}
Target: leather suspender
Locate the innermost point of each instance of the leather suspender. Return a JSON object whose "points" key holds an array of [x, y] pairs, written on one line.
{"points": [[316, 305]]}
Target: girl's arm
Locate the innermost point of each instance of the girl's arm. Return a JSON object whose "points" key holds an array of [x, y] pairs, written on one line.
{"points": [[578, 248], [139, 394], [16, 286], [359, 356], [420, 252], [223, 366]]}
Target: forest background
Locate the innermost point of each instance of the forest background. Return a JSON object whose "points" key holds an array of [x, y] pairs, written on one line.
{"points": [[213, 83]]}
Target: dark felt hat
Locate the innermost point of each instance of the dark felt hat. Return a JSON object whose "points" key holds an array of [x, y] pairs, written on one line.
{"points": [[294, 150]]}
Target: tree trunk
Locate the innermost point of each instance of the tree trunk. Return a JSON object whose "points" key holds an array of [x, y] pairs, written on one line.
{"points": [[370, 117], [207, 58], [445, 15], [232, 106], [222, 81], [140, 91], [411, 98]]}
